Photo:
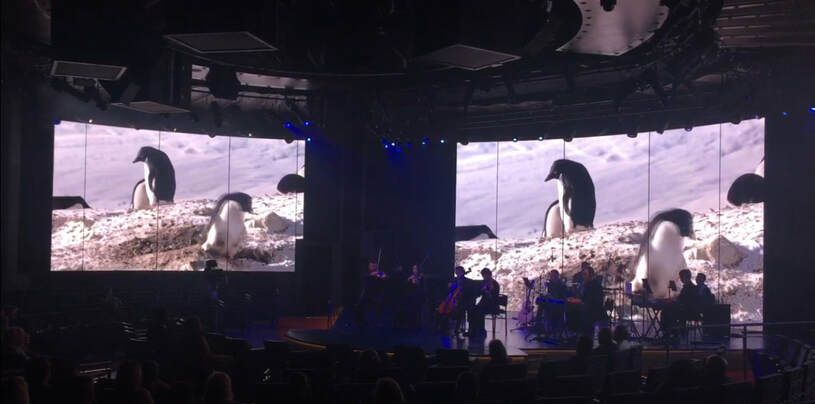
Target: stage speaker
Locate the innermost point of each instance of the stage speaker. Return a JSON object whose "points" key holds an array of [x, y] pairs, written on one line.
{"points": [[717, 314]]}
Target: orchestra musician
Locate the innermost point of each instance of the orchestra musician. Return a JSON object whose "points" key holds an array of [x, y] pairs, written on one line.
{"points": [[414, 292], [459, 299], [373, 292], [588, 306], [553, 304], [489, 292]]}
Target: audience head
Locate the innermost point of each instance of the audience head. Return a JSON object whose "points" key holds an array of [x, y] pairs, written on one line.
{"points": [[715, 369], [149, 370], [498, 352], [685, 276], [387, 391], [700, 278], [38, 371], [373, 266], [15, 391], [584, 345], [467, 388], [218, 389], [80, 390], [129, 376], [604, 337], [553, 276], [621, 333]]}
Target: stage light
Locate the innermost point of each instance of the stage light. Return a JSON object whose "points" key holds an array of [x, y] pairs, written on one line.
{"points": [[250, 134], [632, 135], [387, 146], [567, 138], [515, 139], [91, 120], [785, 113], [425, 141], [307, 123], [442, 141], [289, 139], [288, 125], [393, 144], [308, 139], [176, 130], [812, 110], [211, 135], [540, 138], [688, 128]]}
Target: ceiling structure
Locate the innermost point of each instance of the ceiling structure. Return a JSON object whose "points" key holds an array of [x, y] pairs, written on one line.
{"points": [[476, 70]]}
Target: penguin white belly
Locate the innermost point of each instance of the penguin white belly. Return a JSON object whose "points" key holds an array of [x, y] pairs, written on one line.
{"points": [[554, 224], [666, 260], [140, 198], [568, 224], [227, 232], [151, 196]]}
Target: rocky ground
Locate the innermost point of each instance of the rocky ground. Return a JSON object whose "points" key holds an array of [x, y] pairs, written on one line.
{"points": [[128, 240], [739, 278]]}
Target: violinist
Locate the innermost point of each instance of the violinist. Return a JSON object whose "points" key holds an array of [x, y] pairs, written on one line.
{"points": [[414, 293], [373, 293]]}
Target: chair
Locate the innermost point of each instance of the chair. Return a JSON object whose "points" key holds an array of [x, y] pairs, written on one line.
{"points": [[570, 386], [353, 392], [565, 400], [501, 313], [631, 398], [445, 373], [513, 371], [436, 392], [794, 383], [769, 389], [656, 376], [622, 382], [737, 393], [453, 357], [516, 390]]}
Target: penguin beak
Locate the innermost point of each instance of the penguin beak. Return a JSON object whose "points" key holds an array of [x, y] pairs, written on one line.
{"points": [[551, 175], [136, 160]]}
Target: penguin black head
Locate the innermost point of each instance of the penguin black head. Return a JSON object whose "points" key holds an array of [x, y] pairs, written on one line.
{"points": [[564, 167], [241, 198], [748, 188], [680, 217], [145, 152]]}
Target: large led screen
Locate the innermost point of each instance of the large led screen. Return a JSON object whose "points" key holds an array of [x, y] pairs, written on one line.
{"points": [[511, 219], [127, 199]]}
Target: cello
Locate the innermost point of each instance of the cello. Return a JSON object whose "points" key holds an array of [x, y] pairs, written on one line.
{"points": [[450, 303]]}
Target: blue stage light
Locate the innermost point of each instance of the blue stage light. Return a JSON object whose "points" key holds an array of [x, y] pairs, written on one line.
{"points": [[393, 144], [307, 123], [812, 110], [308, 139], [387, 145], [784, 113], [288, 125], [425, 141]]}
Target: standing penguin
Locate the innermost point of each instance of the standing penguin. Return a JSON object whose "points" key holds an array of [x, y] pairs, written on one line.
{"points": [[575, 194], [226, 230], [660, 258], [139, 199], [553, 224], [159, 175]]}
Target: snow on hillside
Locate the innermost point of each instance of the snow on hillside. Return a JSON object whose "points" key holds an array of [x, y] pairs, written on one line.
{"points": [[126, 240]]}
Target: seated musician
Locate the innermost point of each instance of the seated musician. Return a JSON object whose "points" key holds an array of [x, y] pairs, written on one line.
{"points": [[590, 301], [489, 292], [706, 298], [683, 307], [554, 306]]}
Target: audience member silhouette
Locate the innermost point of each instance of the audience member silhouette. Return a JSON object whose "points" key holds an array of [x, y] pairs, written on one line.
{"points": [[387, 391], [605, 342], [218, 389], [466, 388]]}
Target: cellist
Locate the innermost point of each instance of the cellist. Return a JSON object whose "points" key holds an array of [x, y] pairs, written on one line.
{"points": [[458, 299]]}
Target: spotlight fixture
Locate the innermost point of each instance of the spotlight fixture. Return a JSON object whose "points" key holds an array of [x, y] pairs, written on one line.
{"points": [[306, 123], [211, 135], [288, 125], [540, 138], [442, 141], [632, 135], [688, 128], [289, 139], [567, 139], [812, 110], [608, 5], [784, 113], [425, 141], [464, 142], [515, 139], [91, 120], [308, 139], [250, 134]]}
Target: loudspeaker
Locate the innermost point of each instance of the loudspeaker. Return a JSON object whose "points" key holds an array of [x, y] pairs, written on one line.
{"points": [[717, 314]]}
